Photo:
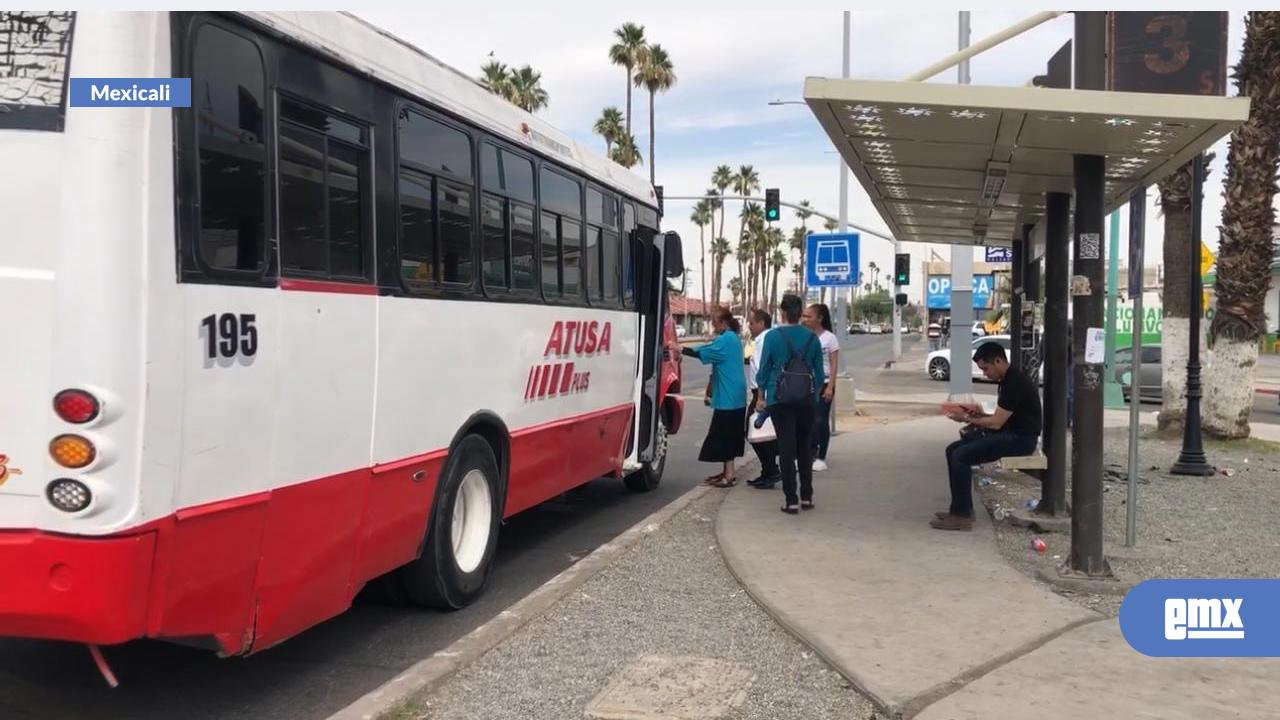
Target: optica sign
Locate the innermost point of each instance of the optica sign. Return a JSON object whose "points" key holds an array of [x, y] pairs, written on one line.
{"points": [[938, 291]]}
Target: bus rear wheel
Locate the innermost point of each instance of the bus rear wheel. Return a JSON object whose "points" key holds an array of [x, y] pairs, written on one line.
{"points": [[650, 474], [457, 559]]}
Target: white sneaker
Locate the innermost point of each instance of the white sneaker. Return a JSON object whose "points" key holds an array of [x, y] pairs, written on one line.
{"points": [[819, 465]]}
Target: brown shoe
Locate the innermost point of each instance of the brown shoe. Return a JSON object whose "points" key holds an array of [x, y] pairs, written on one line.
{"points": [[951, 522]]}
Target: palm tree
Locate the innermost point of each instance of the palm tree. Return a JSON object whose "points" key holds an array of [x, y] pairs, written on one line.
{"points": [[1175, 205], [719, 251], [831, 225], [799, 239], [625, 152], [526, 89], [752, 224], [875, 278], [721, 179], [735, 290], [803, 213], [626, 52], [746, 180], [609, 127], [779, 263], [496, 78], [1248, 221], [702, 217], [655, 74]]}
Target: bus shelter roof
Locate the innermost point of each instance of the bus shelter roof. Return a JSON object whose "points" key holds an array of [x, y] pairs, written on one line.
{"points": [[965, 164]]}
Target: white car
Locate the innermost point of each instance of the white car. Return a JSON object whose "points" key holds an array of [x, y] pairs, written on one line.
{"points": [[938, 362], [680, 331]]}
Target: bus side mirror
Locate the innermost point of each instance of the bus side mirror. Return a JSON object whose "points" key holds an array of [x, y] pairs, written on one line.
{"points": [[673, 254]]}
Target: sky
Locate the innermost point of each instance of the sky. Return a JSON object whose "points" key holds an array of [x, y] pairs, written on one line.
{"points": [[730, 64]]}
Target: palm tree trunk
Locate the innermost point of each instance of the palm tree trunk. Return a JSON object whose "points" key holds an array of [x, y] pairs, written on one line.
{"points": [[651, 169], [702, 262], [1245, 248], [1175, 330], [628, 99]]}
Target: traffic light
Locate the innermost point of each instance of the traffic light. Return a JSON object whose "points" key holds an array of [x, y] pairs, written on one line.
{"points": [[772, 209], [902, 269]]}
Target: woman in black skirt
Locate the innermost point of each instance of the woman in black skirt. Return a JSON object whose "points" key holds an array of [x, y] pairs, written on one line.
{"points": [[726, 439]]}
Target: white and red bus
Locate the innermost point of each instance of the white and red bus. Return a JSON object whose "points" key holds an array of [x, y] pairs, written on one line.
{"points": [[328, 325]]}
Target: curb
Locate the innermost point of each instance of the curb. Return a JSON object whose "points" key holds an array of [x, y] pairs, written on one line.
{"points": [[860, 684], [428, 674]]}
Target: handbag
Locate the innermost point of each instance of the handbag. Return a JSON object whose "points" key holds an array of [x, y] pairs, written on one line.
{"points": [[764, 433]]}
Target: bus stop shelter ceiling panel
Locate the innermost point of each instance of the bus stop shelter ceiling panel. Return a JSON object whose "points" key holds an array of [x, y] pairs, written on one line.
{"points": [[970, 164]]}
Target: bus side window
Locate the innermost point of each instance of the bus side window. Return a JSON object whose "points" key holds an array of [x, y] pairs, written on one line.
{"points": [[507, 217], [561, 236], [228, 87], [324, 193], [437, 198]]}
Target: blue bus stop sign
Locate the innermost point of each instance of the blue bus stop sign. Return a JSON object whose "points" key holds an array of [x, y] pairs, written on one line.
{"points": [[831, 260]]}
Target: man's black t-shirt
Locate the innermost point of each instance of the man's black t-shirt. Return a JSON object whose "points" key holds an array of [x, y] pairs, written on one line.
{"points": [[1020, 396]]}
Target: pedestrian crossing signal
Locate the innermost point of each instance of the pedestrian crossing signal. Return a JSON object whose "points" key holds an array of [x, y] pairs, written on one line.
{"points": [[772, 209]]}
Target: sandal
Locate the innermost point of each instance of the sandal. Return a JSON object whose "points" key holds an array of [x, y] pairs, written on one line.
{"points": [[714, 479], [806, 504], [726, 482], [789, 509]]}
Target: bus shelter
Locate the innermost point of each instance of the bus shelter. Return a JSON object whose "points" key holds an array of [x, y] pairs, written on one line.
{"points": [[1035, 169]]}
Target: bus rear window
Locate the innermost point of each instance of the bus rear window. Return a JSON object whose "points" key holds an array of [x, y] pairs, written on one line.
{"points": [[35, 48]]}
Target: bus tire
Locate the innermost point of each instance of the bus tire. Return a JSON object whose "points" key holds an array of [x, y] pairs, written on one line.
{"points": [[457, 557], [649, 475]]}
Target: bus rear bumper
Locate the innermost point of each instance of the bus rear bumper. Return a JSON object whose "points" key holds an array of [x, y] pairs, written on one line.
{"points": [[78, 589]]}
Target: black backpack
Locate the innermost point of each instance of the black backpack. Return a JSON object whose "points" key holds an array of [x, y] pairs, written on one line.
{"points": [[796, 384]]}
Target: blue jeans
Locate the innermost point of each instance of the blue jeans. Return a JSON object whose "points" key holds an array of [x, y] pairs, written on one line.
{"points": [[962, 455]]}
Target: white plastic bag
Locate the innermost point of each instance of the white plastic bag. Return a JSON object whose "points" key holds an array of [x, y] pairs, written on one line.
{"points": [[762, 434]]}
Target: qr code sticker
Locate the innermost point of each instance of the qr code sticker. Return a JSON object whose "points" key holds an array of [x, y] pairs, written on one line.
{"points": [[1090, 246]]}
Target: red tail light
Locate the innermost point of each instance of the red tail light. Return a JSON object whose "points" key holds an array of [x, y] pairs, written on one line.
{"points": [[76, 406]]}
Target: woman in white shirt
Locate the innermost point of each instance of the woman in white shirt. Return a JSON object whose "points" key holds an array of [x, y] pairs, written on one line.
{"points": [[817, 317]]}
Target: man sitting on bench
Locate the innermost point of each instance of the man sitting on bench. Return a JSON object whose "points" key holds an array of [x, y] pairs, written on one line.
{"points": [[1014, 429]]}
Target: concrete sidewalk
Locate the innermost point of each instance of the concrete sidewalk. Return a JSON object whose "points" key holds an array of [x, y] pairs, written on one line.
{"points": [[937, 624]]}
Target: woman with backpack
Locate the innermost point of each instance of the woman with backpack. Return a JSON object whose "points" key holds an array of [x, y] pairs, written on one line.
{"points": [[726, 438], [790, 379]]}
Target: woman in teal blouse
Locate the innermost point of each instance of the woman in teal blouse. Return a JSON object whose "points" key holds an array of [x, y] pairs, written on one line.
{"points": [[726, 438]]}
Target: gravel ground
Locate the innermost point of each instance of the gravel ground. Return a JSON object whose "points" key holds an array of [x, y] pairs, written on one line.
{"points": [[670, 595], [1219, 526]]}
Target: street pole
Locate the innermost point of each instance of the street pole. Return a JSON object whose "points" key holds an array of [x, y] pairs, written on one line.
{"points": [[961, 341], [842, 324], [1137, 228], [1112, 397], [1191, 460], [1087, 300]]}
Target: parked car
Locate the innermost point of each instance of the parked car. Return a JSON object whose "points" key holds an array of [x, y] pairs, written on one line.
{"points": [[875, 330], [979, 330], [681, 331], [1151, 373], [935, 331], [938, 362]]}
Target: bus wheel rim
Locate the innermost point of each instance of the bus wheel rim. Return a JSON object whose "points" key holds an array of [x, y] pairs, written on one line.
{"points": [[472, 513]]}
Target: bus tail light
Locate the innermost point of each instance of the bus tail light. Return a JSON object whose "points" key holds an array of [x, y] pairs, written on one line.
{"points": [[76, 406], [72, 451], [68, 495]]}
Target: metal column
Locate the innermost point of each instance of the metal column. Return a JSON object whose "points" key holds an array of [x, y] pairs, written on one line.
{"points": [[1088, 294], [1053, 496], [961, 340], [1191, 459]]}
